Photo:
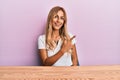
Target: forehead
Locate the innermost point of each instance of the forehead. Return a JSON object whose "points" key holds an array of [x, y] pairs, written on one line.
{"points": [[60, 13]]}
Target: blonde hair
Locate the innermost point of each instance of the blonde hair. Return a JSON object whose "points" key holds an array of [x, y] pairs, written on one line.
{"points": [[63, 30]]}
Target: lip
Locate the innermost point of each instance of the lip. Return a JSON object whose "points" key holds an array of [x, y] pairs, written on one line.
{"points": [[58, 24]]}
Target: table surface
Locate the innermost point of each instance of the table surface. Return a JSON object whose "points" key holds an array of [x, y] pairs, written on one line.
{"points": [[60, 73]]}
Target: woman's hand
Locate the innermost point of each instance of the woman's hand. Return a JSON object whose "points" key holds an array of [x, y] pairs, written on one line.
{"points": [[67, 45]]}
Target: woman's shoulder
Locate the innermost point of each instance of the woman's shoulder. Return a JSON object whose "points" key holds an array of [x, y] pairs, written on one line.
{"points": [[42, 37], [41, 42]]}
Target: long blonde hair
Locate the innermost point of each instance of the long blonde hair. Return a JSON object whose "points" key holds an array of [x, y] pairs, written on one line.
{"points": [[63, 30]]}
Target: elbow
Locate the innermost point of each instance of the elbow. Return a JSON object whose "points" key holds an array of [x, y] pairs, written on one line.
{"points": [[46, 63]]}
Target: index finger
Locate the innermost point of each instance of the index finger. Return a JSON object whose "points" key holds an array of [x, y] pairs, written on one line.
{"points": [[72, 38]]}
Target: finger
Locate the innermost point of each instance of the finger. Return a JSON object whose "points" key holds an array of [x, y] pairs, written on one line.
{"points": [[72, 38], [54, 44], [50, 45], [65, 41]]}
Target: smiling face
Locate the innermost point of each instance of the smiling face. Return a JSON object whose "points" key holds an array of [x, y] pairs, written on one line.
{"points": [[58, 20]]}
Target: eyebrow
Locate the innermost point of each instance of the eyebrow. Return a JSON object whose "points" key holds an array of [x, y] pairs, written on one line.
{"points": [[60, 16]]}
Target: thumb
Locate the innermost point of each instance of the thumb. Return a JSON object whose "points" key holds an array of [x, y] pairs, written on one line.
{"points": [[72, 38]]}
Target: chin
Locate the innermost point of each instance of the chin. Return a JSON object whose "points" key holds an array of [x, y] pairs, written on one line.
{"points": [[57, 28]]}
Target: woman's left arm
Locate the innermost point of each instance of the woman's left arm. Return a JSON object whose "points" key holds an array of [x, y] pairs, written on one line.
{"points": [[74, 56]]}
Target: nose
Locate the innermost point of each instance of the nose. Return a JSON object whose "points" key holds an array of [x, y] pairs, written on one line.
{"points": [[58, 19]]}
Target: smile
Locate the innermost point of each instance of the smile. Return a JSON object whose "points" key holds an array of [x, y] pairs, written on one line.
{"points": [[58, 24]]}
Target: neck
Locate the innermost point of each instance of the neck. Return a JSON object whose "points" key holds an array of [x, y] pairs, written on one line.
{"points": [[55, 33]]}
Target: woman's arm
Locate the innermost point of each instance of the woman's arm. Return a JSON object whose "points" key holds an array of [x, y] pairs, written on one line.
{"points": [[74, 56], [49, 61]]}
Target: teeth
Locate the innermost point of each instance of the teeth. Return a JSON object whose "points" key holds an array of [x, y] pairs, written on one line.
{"points": [[58, 24]]}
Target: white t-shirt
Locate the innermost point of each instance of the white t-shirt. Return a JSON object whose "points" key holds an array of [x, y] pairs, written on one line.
{"points": [[64, 60]]}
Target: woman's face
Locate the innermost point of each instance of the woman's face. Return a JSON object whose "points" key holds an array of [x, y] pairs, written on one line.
{"points": [[58, 20]]}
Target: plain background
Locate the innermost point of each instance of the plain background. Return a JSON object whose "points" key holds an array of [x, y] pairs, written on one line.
{"points": [[96, 24]]}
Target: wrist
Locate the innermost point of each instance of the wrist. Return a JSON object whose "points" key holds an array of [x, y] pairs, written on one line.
{"points": [[62, 51]]}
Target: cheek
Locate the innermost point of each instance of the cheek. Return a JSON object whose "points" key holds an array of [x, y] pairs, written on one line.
{"points": [[54, 20], [62, 22]]}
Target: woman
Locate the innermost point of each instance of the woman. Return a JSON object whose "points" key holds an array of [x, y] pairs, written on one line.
{"points": [[57, 46]]}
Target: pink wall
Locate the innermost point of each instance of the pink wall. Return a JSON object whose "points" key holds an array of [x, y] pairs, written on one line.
{"points": [[96, 23]]}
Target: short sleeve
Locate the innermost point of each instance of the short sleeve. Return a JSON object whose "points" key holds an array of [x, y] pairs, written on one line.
{"points": [[41, 42], [74, 40]]}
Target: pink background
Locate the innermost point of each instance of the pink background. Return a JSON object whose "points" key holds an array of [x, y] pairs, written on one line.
{"points": [[96, 24]]}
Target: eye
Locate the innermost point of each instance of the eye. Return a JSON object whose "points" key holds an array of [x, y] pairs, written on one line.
{"points": [[62, 18], [56, 16]]}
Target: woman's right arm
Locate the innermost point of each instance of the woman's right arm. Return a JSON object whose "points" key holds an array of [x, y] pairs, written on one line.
{"points": [[49, 61]]}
